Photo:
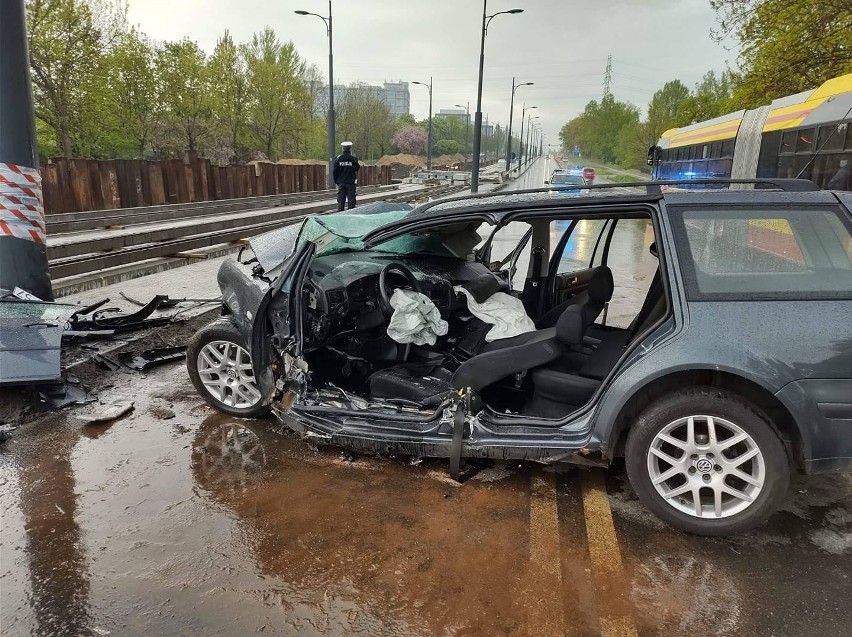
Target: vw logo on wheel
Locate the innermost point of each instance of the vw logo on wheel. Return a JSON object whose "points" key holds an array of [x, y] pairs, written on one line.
{"points": [[232, 373], [704, 465]]}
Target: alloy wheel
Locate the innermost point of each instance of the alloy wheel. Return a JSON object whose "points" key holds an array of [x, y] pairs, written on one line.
{"points": [[705, 466], [226, 372]]}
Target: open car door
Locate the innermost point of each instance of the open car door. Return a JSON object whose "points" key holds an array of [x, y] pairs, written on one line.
{"points": [[280, 336]]}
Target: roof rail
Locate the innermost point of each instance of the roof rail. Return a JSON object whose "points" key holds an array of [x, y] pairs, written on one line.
{"points": [[651, 188]]}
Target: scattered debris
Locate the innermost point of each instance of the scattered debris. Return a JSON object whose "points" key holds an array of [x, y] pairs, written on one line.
{"points": [[169, 303], [5, 431], [61, 395], [111, 412], [106, 362], [152, 357], [111, 319]]}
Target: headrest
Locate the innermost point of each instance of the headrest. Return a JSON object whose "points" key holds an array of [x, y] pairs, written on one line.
{"points": [[570, 328], [601, 286]]}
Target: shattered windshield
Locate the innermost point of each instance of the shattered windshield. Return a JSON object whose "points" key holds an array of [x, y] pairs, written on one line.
{"points": [[344, 233]]}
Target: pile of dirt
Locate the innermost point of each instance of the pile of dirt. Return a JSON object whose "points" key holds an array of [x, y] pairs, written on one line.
{"points": [[448, 162], [415, 161]]}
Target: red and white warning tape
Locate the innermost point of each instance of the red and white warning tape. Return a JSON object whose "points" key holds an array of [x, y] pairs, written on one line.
{"points": [[21, 203]]}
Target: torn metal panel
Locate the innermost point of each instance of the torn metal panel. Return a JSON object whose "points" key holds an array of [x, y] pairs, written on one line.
{"points": [[30, 340]]}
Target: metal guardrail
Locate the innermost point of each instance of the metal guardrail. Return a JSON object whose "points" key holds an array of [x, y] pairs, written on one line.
{"points": [[165, 242]]}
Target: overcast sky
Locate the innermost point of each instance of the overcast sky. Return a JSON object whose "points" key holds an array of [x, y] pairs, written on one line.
{"points": [[561, 45]]}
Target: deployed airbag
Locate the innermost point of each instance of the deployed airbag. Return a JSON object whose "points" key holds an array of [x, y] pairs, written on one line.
{"points": [[415, 318], [505, 312]]}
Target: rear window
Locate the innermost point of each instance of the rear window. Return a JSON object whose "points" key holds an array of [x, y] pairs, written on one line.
{"points": [[766, 254]]}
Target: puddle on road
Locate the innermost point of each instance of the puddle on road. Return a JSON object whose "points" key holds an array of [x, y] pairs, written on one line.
{"points": [[203, 524]]}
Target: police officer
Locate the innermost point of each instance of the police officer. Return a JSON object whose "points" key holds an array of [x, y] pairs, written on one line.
{"points": [[345, 172]]}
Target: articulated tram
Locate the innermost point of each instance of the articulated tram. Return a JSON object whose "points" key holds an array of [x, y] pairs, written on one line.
{"points": [[805, 135]]}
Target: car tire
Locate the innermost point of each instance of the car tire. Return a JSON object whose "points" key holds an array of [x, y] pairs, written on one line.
{"points": [[219, 365], [736, 466]]}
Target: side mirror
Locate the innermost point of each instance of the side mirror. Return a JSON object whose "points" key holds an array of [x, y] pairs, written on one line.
{"points": [[546, 183]]}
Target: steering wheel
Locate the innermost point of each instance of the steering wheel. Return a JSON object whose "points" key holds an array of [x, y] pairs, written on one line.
{"points": [[385, 291]]}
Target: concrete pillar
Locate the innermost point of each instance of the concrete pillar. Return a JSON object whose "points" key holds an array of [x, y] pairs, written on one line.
{"points": [[23, 250]]}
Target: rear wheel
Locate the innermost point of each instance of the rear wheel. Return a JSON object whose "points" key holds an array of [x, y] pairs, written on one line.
{"points": [[707, 461], [220, 368]]}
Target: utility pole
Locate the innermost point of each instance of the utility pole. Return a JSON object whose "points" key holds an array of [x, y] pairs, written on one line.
{"points": [[23, 249]]}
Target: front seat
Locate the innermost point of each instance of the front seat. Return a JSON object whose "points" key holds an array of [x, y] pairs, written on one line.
{"points": [[592, 302], [535, 349]]}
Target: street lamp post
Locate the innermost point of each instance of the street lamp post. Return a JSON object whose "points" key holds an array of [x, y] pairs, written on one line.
{"points": [[466, 126], [429, 141], [515, 87], [332, 146], [521, 149], [477, 124], [530, 118]]}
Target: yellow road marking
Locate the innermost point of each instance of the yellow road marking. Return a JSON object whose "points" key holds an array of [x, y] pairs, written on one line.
{"points": [[546, 615], [616, 614]]}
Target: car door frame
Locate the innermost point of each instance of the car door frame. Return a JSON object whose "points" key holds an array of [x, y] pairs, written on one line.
{"points": [[587, 418]]}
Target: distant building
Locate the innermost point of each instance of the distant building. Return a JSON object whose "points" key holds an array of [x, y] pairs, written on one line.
{"points": [[394, 94], [398, 98], [458, 113]]}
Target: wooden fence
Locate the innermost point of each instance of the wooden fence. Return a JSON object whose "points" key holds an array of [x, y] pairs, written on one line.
{"points": [[76, 185]]}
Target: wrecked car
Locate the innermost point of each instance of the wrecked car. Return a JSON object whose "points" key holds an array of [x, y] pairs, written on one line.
{"points": [[702, 335]]}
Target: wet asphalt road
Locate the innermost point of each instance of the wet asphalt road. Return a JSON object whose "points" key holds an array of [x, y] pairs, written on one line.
{"points": [[176, 520]]}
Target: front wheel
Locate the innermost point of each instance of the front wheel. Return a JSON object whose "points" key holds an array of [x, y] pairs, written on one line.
{"points": [[220, 368], [707, 461]]}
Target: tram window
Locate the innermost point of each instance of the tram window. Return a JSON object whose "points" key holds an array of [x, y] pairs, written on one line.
{"points": [[693, 152], [833, 172], [829, 138], [805, 141], [768, 160], [788, 141], [789, 167], [681, 153], [705, 151], [728, 148], [848, 136], [716, 150]]}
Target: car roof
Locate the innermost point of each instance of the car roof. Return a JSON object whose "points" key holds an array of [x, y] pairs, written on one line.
{"points": [[501, 203]]}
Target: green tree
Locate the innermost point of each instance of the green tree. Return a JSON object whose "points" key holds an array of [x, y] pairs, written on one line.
{"points": [[69, 40], [447, 147], [278, 94], [136, 91], [230, 98], [787, 46], [186, 94], [712, 97], [365, 119], [665, 108], [598, 130]]}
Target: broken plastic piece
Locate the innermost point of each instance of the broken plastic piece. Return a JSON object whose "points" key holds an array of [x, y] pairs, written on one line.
{"points": [[152, 357], [63, 394], [110, 413]]}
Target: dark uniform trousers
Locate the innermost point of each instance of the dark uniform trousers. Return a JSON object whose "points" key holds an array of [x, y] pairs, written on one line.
{"points": [[345, 192]]}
